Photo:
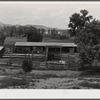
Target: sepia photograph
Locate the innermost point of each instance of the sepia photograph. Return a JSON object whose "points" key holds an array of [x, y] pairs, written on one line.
{"points": [[49, 45]]}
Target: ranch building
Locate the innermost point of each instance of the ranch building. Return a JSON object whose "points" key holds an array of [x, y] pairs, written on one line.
{"points": [[50, 49]]}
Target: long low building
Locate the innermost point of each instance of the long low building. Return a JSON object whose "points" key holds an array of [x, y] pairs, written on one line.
{"points": [[51, 50], [41, 47]]}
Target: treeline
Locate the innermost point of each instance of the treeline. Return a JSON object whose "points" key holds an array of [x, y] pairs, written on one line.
{"points": [[18, 31], [29, 31], [22, 31], [33, 34], [57, 34]]}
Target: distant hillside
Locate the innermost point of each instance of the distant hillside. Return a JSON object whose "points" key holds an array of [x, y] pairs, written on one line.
{"points": [[2, 24], [37, 26], [19, 30], [42, 27]]}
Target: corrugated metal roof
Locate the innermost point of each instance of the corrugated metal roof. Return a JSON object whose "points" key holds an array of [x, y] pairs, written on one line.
{"points": [[45, 44], [1, 47]]}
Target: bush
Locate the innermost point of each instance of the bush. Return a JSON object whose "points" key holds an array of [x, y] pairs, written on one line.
{"points": [[27, 65]]}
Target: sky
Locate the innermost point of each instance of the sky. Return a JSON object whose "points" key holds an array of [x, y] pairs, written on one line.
{"points": [[50, 14]]}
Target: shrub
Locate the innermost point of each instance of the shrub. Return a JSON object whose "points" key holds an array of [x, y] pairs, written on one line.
{"points": [[27, 65]]}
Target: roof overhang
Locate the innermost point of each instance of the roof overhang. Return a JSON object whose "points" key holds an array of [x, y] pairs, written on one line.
{"points": [[43, 44]]}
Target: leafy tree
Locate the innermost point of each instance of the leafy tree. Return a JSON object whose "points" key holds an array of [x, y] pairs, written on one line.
{"points": [[86, 31], [12, 31], [42, 31], [49, 31], [88, 42], [2, 37], [33, 35], [54, 32], [77, 22]]}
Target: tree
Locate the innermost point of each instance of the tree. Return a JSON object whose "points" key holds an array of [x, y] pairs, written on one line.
{"points": [[86, 32], [2, 37], [33, 35], [42, 31], [88, 40], [54, 32], [77, 22]]}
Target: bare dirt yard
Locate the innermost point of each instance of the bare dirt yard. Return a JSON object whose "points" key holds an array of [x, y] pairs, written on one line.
{"points": [[15, 78]]}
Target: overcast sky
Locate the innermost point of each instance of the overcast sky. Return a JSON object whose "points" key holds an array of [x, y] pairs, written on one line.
{"points": [[51, 14]]}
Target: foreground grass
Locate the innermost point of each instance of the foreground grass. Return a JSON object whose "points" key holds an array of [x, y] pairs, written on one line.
{"points": [[13, 83], [48, 79], [94, 85]]}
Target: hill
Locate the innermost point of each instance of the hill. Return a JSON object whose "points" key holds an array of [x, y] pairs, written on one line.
{"points": [[37, 26], [42, 27], [2, 24]]}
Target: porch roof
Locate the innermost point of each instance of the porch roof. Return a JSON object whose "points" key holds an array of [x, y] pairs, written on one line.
{"points": [[45, 44]]}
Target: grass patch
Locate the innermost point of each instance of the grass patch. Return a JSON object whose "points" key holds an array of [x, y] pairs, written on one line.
{"points": [[89, 73], [13, 40], [90, 84], [11, 82]]}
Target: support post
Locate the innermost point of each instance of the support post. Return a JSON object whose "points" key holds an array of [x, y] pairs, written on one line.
{"points": [[46, 55], [32, 54], [60, 52]]}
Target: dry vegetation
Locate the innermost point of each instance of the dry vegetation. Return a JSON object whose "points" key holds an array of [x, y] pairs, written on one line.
{"points": [[47, 79]]}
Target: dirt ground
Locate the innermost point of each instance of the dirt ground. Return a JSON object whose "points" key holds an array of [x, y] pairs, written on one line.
{"points": [[11, 78]]}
